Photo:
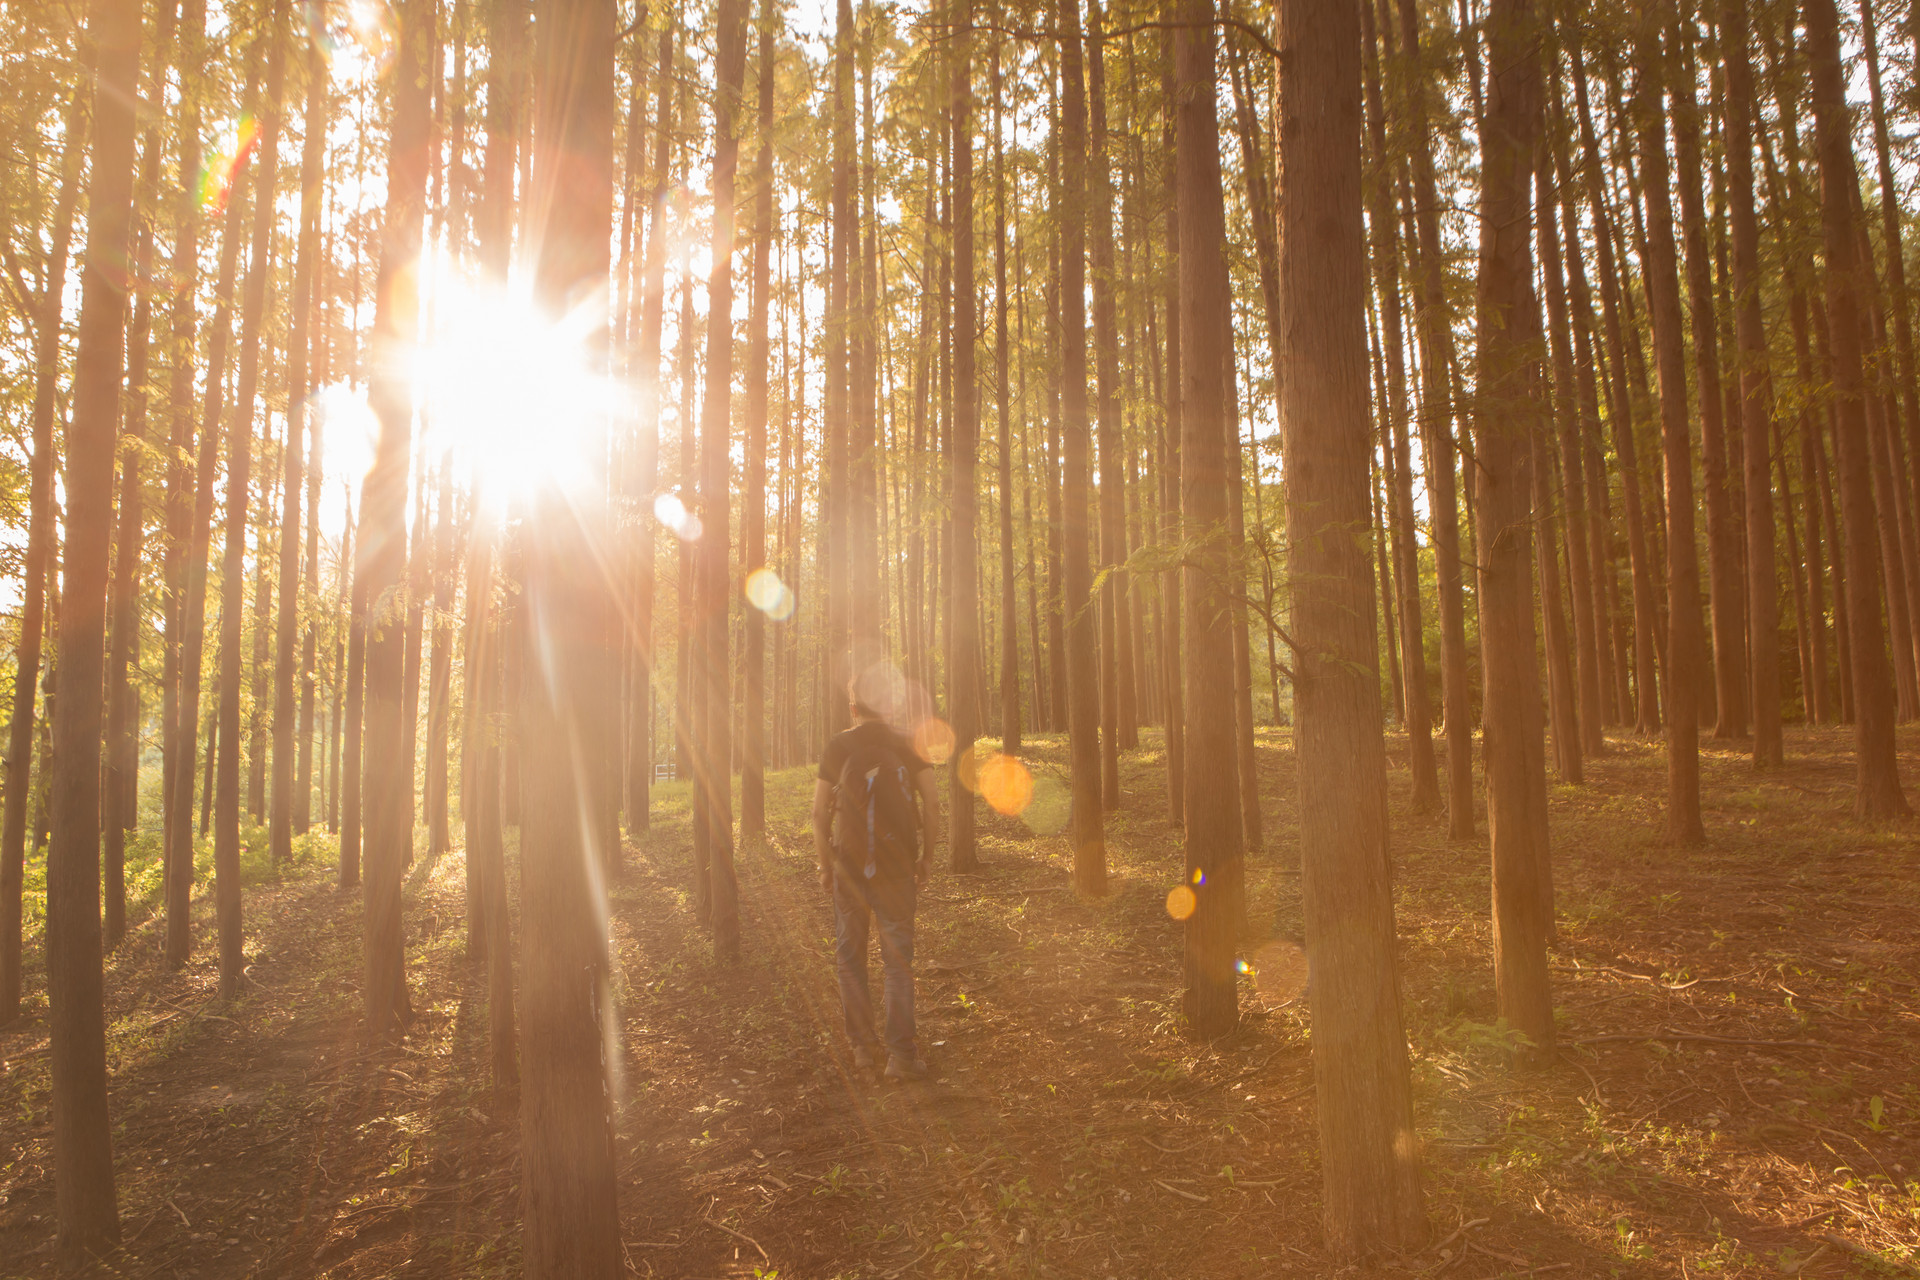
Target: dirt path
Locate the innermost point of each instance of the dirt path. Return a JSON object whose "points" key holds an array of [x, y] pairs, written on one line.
{"points": [[1071, 1131]]}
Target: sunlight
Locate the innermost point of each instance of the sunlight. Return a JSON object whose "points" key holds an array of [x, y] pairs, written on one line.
{"points": [[510, 393]]}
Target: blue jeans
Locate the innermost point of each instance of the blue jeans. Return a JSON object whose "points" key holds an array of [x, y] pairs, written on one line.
{"points": [[856, 902]]}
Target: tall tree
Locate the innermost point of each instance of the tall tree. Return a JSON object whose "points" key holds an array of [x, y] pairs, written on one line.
{"points": [[1369, 1165], [1507, 323], [566, 1116], [753, 509], [1088, 830], [40, 533], [253, 307], [387, 790], [1685, 642], [86, 1214], [713, 712], [1756, 391], [1010, 735], [1879, 794], [286, 714]]}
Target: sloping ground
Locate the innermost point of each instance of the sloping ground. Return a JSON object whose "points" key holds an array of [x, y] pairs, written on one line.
{"points": [[1740, 1028]]}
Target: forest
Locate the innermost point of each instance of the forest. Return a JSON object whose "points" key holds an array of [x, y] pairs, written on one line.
{"points": [[1375, 545]]}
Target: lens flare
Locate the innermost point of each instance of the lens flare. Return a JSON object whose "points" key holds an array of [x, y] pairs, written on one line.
{"points": [[765, 592], [933, 739], [1181, 902], [1049, 808], [882, 687], [1006, 785], [229, 157], [670, 511]]}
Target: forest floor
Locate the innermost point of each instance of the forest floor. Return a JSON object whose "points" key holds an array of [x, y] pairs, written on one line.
{"points": [[1737, 1091]]}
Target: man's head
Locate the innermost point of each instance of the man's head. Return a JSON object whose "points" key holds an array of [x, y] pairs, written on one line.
{"points": [[861, 709]]}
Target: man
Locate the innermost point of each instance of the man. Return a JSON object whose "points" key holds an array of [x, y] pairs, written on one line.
{"points": [[882, 855]]}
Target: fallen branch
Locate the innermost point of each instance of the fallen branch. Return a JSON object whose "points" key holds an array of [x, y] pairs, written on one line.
{"points": [[738, 1235], [1185, 1195], [1461, 1230], [1861, 1251]]}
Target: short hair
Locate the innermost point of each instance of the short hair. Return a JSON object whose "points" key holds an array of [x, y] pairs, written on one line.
{"points": [[861, 707]]}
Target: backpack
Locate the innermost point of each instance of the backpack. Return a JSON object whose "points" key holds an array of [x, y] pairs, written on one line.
{"points": [[877, 826]]}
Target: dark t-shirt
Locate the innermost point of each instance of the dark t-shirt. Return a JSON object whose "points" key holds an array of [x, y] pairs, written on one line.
{"points": [[867, 733]]}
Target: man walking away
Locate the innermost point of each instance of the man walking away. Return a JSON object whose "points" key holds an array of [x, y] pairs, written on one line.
{"points": [[867, 837]]}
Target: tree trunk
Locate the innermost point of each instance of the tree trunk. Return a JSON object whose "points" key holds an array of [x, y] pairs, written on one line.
{"points": [[566, 1047], [1114, 663], [1010, 727], [226, 792], [1369, 1163], [440, 669], [1507, 324], [1386, 249], [1437, 448], [1215, 864], [1646, 686], [286, 715], [87, 1218], [1088, 831], [713, 701], [963, 640], [1756, 392], [753, 509], [21, 736], [1684, 639], [382, 548], [1171, 480]]}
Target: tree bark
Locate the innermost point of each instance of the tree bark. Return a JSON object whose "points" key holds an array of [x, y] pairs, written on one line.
{"points": [[1756, 392], [226, 791], [567, 1038], [40, 533], [1369, 1167], [963, 585], [382, 545], [753, 509], [1685, 643], [1437, 448], [87, 1222], [1088, 831], [286, 715], [1507, 323]]}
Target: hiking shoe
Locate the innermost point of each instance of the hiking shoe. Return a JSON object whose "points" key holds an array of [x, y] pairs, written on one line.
{"points": [[899, 1068], [864, 1058]]}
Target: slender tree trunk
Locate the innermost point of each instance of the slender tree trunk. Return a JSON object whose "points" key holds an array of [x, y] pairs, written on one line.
{"points": [[286, 717], [120, 801], [1172, 432], [640, 745], [1756, 393], [963, 581], [713, 701], [1010, 726], [226, 833], [1106, 361], [1088, 831], [1684, 640], [1386, 249], [753, 510], [1507, 324], [440, 669], [1726, 587], [40, 534], [1567, 408], [1646, 686], [1369, 1164], [177, 873], [382, 545], [86, 1215], [1214, 853], [1437, 448]]}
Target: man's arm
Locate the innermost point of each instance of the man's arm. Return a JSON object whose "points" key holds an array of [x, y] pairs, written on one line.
{"points": [[930, 809], [823, 831]]}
